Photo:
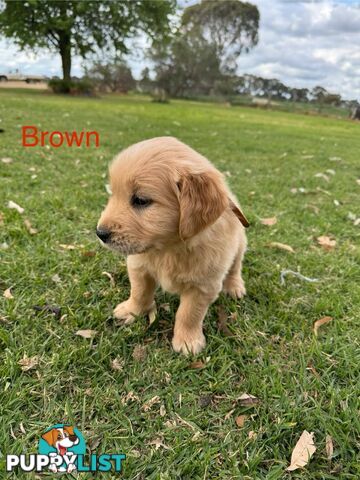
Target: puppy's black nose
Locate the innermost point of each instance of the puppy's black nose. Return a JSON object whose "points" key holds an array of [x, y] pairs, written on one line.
{"points": [[103, 233]]}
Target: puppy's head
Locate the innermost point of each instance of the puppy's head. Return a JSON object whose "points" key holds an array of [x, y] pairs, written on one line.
{"points": [[162, 192]]}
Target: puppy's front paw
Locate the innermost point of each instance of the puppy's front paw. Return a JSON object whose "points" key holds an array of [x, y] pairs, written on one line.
{"points": [[188, 341], [128, 310], [234, 286]]}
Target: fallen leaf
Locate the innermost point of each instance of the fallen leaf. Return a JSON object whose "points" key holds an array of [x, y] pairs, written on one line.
{"points": [[326, 242], [7, 160], [222, 322], [129, 397], [329, 447], [252, 435], [330, 171], [240, 420], [4, 246], [49, 308], [15, 206], [110, 277], [268, 221], [55, 278], [357, 222], [7, 294], [86, 333], [27, 363], [358, 181], [281, 246], [321, 321], [246, 400], [29, 227], [303, 451], [150, 403], [162, 410], [158, 443], [139, 353], [197, 365], [117, 364], [89, 254], [322, 175], [66, 246]]}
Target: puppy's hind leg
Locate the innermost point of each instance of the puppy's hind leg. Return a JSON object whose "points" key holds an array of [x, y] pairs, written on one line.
{"points": [[234, 284], [141, 300]]}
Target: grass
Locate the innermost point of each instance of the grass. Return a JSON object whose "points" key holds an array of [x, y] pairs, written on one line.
{"points": [[302, 381]]}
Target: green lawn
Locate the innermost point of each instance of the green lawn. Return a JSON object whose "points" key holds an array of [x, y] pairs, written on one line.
{"points": [[302, 382]]}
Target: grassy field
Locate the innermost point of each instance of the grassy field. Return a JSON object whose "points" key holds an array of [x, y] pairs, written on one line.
{"points": [[125, 389]]}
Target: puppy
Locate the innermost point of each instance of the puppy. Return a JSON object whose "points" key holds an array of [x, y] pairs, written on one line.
{"points": [[173, 216]]}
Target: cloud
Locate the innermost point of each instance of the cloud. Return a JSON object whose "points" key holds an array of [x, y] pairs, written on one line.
{"points": [[303, 43]]}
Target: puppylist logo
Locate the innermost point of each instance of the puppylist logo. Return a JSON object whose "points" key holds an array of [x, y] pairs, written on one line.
{"points": [[62, 449]]}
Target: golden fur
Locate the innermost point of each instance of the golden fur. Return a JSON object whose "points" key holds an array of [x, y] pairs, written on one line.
{"points": [[188, 238]]}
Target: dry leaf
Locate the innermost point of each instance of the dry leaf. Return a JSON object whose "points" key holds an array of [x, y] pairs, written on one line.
{"points": [[326, 242], [329, 447], [240, 420], [29, 227], [88, 254], [281, 246], [321, 321], [55, 278], [139, 353], [150, 403], [67, 247], [303, 451], [197, 365], [358, 181], [246, 399], [15, 206], [158, 443], [86, 333], [222, 322], [7, 294], [27, 363], [110, 277], [268, 221], [117, 364], [7, 160], [162, 411], [252, 435], [129, 397], [322, 175]]}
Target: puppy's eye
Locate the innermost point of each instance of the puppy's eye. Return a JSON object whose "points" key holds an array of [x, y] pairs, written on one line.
{"points": [[140, 202]]}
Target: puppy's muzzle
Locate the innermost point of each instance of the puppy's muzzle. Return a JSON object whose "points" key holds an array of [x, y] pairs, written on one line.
{"points": [[103, 233]]}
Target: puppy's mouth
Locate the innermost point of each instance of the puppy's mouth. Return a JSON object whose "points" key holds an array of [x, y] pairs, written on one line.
{"points": [[124, 247]]}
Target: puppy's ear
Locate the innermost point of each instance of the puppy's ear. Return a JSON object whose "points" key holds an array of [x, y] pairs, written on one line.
{"points": [[239, 214], [50, 437], [203, 198]]}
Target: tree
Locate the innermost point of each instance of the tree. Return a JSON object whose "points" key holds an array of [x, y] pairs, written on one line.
{"points": [[80, 27], [188, 66], [230, 25], [116, 77]]}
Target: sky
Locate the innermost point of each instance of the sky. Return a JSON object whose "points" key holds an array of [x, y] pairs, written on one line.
{"points": [[303, 43]]}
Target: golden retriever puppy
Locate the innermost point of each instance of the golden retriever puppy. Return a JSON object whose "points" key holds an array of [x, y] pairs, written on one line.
{"points": [[173, 216]]}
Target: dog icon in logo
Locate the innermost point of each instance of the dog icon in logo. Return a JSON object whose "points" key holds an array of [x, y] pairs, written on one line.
{"points": [[62, 442]]}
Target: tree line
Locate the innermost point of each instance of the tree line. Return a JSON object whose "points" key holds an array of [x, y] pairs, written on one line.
{"points": [[193, 53]]}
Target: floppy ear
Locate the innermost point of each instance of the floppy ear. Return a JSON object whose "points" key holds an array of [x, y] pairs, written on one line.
{"points": [[69, 429], [239, 214], [51, 436], [203, 198]]}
